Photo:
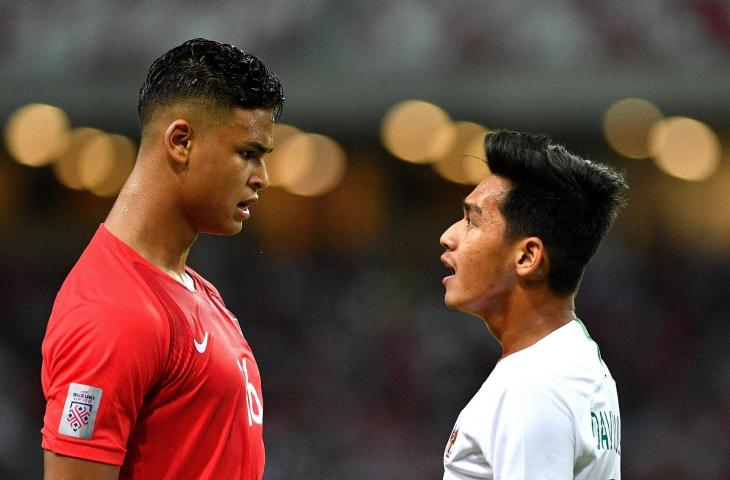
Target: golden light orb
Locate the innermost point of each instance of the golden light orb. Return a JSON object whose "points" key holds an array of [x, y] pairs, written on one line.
{"points": [[277, 164], [37, 134], [685, 148], [464, 162], [626, 126], [409, 128]]}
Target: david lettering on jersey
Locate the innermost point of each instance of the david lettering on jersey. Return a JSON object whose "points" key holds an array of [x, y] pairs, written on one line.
{"points": [[606, 430]]}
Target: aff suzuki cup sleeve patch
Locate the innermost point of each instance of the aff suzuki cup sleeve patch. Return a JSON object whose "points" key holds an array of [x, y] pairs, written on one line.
{"points": [[79, 412]]}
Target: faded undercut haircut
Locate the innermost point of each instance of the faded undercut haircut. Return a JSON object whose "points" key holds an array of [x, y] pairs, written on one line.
{"points": [[565, 200], [217, 73]]}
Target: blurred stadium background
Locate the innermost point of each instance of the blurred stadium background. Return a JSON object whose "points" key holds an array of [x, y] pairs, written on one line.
{"points": [[336, 278]]}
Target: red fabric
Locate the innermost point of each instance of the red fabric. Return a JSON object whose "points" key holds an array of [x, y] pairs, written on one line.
{"points": [[167, 411]]}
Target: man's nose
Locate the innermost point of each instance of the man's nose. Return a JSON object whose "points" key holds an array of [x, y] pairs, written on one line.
{"points": [[447, 239], [260, 178]]}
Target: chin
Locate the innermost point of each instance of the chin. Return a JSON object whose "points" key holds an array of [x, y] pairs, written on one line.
{"points": [[223, 230], [235, 230], [450, 303], [460, 305]]}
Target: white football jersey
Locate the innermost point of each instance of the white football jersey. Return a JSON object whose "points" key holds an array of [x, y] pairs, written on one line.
{"points": [[549, 411]]}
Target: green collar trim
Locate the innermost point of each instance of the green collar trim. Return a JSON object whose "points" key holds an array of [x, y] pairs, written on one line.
{"points": [[588, 336]]}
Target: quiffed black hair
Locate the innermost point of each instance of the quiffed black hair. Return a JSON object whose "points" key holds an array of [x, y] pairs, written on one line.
{"points": [[213, 71], [565, 200]]}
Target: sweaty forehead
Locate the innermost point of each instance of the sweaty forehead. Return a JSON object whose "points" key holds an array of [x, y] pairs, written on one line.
{"points": [[489, 193], [256, 125]]}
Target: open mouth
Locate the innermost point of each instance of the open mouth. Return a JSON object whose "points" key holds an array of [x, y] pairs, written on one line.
{"points": [[452, 270], [249, 201], [242, 209]]}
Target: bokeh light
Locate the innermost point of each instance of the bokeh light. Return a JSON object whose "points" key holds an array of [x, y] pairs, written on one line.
{"points": [[315, 164], [294, 158], [409, 130], [277, 164], [95, 161], [475, 166], [67, 168], [685, 148], [626, 126], [122, 154], [37, 134], [463, 160]]}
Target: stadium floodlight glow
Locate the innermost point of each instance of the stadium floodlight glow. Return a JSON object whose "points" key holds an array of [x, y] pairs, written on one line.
{"points": [[123, 153], [475, 166], [327, 169], [37, 134], [66, 168], [685, 148], [278, 165], [626, 126], [409, 130], [464, 162], [96, 161], [315, 164]]}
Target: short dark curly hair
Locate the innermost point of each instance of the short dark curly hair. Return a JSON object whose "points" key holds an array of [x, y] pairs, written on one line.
{"points": [[565, 200], [212, 71]]}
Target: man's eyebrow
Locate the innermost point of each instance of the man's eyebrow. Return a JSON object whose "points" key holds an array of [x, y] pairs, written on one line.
{"points": [[469, 207], [259, 147]]}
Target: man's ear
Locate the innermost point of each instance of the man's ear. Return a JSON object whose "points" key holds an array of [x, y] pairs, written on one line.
{"points": [[178, 141], [531, 260]]}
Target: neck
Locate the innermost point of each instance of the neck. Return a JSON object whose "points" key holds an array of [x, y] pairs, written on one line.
{"points": [[148, 218], [526, 319]]}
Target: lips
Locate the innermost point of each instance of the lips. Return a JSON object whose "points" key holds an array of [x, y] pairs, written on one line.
{"points": [[449, 266], [248, 202], [243, 206]]}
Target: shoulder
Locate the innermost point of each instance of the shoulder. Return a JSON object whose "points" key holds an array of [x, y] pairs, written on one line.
{"points": [[115, 299], [106, 271], [526, 400], [101, 325], [560, 374], [527, 378], [104, 299]]}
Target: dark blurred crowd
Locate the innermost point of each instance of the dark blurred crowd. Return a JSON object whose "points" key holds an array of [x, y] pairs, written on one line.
{"points": [[364, 370]]}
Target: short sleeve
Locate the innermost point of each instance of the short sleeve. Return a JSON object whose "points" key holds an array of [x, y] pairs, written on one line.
{"points": [[99, 361], [532, 435]]}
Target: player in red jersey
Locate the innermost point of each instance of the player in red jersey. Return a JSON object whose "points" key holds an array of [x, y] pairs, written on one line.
{"points": [[146, 374]]}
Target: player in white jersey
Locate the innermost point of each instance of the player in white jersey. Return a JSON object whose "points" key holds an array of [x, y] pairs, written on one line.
{"points": [[549, 409]]}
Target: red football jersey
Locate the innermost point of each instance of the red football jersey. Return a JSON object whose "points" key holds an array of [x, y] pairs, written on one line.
{"points": [[141, 372]]}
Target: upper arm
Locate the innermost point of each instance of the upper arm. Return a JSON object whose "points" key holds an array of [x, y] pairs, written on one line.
{"points": [[99, 361], [533, 434], [59, 467]]}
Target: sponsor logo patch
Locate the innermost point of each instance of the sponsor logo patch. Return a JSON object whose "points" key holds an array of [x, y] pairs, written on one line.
{"points": [[80, 410]]}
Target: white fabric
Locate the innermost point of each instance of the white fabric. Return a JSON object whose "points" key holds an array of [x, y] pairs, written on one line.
{"points": [[187, 281], [549, 411]]}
